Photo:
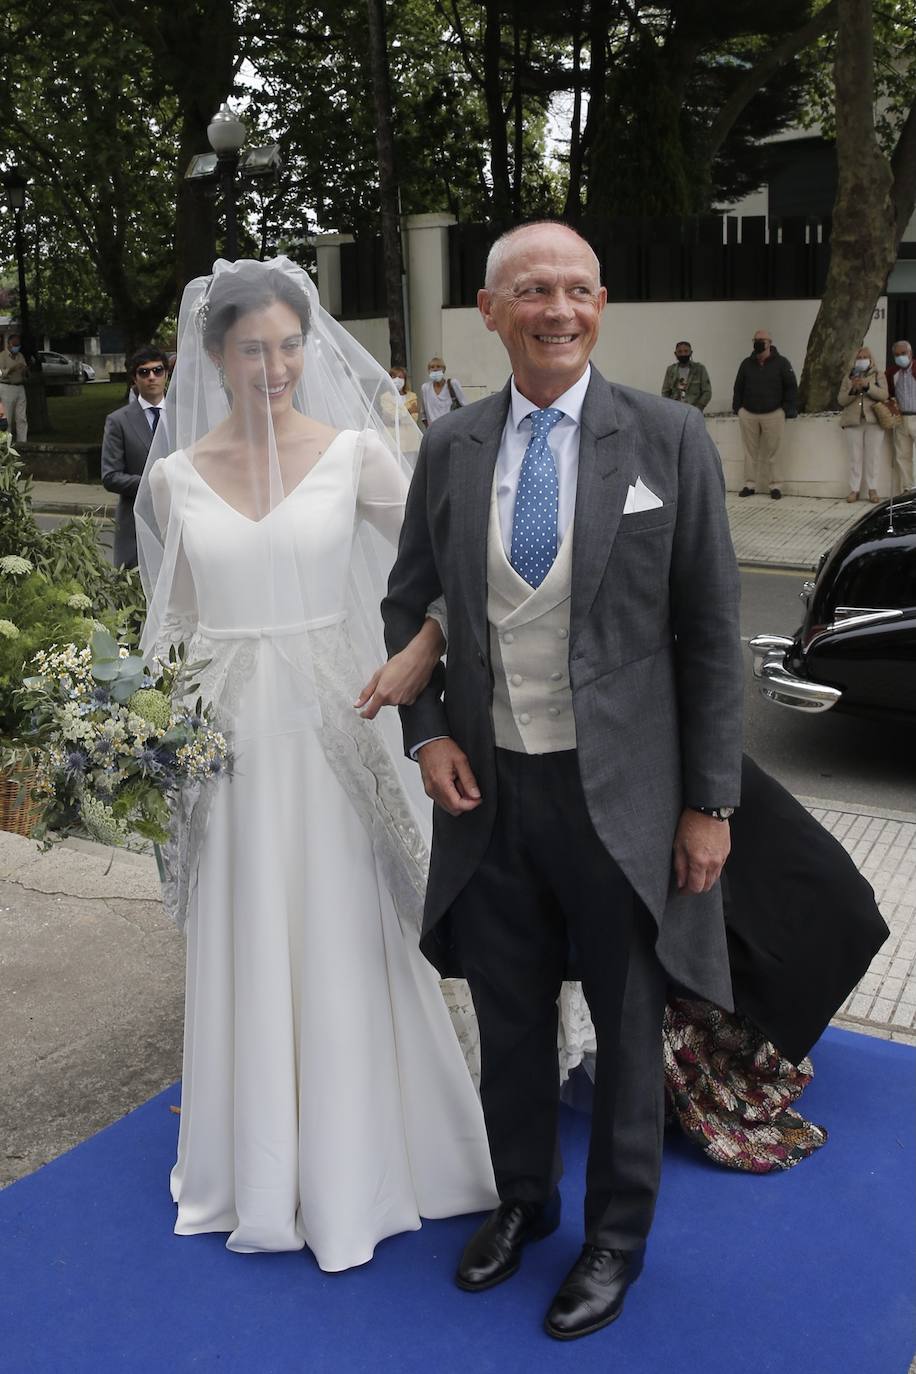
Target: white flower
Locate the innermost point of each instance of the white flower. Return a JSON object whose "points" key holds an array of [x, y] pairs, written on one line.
{"points": [[79, 602], [101, 822], [8, 630], [14, 565]]}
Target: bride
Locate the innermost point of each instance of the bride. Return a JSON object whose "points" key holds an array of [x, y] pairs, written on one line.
{"points": [[325, 1098]]}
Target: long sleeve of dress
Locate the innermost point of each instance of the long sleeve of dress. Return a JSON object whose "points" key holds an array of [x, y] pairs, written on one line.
{"points": [[178, 615]]}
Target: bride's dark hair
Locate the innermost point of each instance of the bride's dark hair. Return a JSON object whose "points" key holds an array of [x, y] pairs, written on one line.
{"points": [[234, 294]]}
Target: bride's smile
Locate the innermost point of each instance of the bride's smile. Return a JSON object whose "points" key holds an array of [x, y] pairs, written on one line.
{"points": [[262, 358]]}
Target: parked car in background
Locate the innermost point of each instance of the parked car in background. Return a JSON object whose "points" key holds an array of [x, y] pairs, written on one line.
{"points": [[57, 368], [855, 650]]}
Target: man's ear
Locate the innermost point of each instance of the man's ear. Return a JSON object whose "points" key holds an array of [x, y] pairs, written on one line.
{"points": [[484, 305]]}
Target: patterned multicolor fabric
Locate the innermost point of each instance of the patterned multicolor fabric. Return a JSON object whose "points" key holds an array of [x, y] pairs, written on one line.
{"points": [[731, 1091], [534, 521]]}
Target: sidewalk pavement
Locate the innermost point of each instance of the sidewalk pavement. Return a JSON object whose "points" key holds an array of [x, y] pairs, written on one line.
{"points": [[791, 533], [91, 972]]}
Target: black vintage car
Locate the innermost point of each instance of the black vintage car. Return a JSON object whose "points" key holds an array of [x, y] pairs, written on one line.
{"points": [[856, 648]]}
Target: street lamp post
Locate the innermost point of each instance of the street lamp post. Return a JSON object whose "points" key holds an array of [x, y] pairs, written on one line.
{"points": [[226, 134]]}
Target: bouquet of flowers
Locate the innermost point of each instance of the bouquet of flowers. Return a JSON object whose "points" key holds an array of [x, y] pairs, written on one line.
{"points": [[112, 744]]}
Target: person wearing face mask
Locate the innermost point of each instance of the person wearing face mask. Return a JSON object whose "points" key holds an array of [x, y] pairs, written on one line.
{"points": [[13, 373], [407, 398], [765, 396], [686, 380], [860, 389], [440, 393], [126, 443], [901, 386]]}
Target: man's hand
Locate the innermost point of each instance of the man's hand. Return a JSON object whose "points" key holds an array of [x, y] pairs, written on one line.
{"points": [[701, 847], [447, 776], [401, 680]]}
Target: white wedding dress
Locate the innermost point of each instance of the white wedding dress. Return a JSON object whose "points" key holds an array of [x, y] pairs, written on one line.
{"points": [[326, 1101]]}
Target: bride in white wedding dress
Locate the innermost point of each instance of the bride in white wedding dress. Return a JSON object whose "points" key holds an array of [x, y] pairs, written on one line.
{"points": [[325, 1098]]}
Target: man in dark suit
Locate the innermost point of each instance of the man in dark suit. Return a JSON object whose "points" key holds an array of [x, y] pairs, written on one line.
{"points": [[126, 443], [582, 745]]}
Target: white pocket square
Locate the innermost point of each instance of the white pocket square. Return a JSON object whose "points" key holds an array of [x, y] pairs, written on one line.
{"points": [[641, 497]]}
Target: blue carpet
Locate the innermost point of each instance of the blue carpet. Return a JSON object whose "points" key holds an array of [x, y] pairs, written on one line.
{"points": [[809, 1271]]}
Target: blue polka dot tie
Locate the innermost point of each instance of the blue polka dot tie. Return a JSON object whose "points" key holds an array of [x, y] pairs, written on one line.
{"points": [[534, 521]]}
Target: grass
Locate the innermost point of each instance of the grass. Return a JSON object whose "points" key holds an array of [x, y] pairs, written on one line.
{"points": [[81, 419]]}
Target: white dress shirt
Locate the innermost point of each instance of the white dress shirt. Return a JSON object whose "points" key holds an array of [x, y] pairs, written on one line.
{"points": [[148, 406], [564, 444]]}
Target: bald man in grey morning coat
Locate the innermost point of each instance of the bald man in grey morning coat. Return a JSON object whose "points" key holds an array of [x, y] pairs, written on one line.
{"points": [[585, 728]]}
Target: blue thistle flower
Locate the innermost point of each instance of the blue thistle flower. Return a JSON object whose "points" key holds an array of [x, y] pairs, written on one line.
{"points": [[75, 763]]}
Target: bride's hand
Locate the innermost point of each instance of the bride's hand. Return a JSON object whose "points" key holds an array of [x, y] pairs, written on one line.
{"points": [[401, 680]]}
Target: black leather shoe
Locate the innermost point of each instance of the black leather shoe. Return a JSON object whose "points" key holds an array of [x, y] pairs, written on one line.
{"points": [[494, 1252], [776, 494], [592, 1294], [747, 491]]}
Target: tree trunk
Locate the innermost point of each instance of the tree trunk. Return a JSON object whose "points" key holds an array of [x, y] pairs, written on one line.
{"points": [[496, 117], [864, 241], [572, 210], [518, 140], [388, 182]]}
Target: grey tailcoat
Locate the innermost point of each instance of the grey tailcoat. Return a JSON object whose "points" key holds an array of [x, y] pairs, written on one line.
{"points": [[125, 446], [654, 650]]}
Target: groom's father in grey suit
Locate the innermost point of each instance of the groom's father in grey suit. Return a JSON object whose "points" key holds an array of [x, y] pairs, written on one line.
{"points": [[126, 443], [582, 745]]}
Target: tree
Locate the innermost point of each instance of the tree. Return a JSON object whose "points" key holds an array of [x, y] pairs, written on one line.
{"points": [[681, 81], [144, 82], [875, 199], [388, 182]]}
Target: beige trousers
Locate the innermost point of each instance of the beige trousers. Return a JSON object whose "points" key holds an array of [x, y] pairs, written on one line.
{"points": [[864, 442], [761, 436], [13, 398], [904, 437]]}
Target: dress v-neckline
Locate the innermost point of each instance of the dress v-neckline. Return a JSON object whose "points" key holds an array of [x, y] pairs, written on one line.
{"points": [[286, 495]]}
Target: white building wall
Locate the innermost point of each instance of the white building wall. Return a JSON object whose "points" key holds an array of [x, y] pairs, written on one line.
{"points": [[637, 341]]}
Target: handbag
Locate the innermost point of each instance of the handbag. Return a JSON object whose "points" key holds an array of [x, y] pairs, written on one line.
{"points": [[886, 417], [456, 404]]}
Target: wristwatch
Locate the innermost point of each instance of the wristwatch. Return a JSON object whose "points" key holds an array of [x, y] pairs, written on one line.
{"points": [[718, 813]]}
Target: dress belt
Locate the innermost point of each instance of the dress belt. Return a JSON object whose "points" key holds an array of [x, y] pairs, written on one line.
{"points": [[270, 631]]}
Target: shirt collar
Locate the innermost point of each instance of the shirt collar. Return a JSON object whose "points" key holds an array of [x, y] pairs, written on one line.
{"points": [[148, 405], [570, 402]]}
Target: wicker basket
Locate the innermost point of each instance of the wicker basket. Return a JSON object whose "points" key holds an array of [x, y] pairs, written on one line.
{"points": [[17, 810]]}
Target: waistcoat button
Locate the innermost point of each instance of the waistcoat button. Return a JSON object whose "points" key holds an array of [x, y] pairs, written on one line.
{"points": [[517, 679], [563, 634], [524, 718], [556, 677], [553, 711], [509, 638]]}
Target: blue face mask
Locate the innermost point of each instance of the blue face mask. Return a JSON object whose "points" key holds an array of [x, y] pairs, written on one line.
{"points": [[15, 348], [902, 360]]}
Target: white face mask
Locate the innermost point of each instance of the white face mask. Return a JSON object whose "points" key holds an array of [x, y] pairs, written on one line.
{"points": [[399, 383], [902, 359], [861, 364], [437, 375]]}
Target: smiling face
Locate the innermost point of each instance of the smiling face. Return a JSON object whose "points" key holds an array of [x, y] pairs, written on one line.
{"points": [[545, 302], [262, 358]]}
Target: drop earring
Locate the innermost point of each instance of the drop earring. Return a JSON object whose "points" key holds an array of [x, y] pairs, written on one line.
{"points": [[221, 376]]}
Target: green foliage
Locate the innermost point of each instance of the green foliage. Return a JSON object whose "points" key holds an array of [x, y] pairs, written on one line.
{"points": [[41, 613], [895, 74], [69, 554]]}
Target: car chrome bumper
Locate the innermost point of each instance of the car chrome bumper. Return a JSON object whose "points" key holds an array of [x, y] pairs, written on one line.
{"points": [[781, 685]]}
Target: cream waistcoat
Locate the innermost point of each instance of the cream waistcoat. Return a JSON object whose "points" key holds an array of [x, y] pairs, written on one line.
{"points": [[529, 649]]}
